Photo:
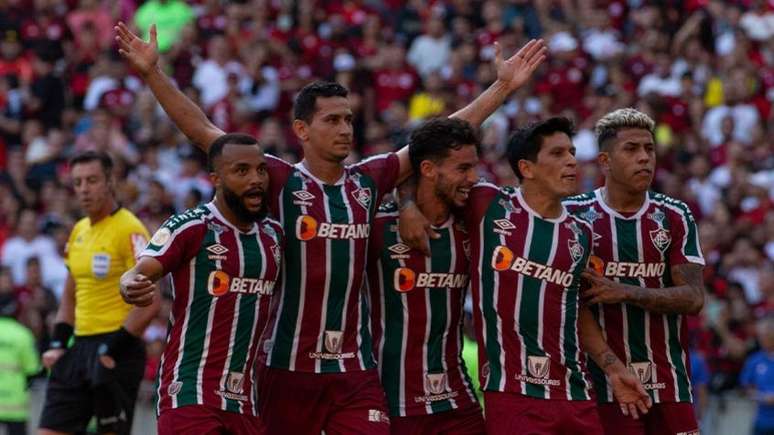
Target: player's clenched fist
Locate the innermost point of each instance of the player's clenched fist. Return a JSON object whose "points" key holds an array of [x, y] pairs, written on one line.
{"points": [[137, 289]]}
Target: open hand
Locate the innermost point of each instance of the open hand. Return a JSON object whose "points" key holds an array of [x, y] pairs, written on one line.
{"points": [[142, 56], [516, 70], [630, 394]]}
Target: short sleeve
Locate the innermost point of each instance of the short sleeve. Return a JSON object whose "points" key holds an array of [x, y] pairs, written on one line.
{"points": [[685, 238], [481, 195], [134, 243], [383, 169], [175, 244]]}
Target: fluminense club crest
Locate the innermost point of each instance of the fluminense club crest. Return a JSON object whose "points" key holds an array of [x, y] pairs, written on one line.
{"points": [[362, 196], [661, 239]]}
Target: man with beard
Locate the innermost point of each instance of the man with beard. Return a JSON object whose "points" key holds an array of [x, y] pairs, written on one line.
{"points": [[527, 256], [224, 258], [417, 302], [646, 276], [320, 358]]}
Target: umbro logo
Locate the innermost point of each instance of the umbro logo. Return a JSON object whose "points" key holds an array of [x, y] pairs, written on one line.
{"points": [[399, 251], [303, 198], [505, 224], [217, 250], [503, 227]]}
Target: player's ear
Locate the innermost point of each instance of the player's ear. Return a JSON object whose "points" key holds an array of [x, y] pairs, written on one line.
{"points": [[427, 169], [525, 167], [301, 130], [603, 160], [215, 179]]}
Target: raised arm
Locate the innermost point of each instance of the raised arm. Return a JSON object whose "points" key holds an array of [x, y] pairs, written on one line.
{"points": [[144, 58], [685, 297], [628, 390], [512, 73]]}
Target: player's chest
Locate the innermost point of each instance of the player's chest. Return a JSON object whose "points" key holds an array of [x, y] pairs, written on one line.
{"points": [[338, 212], [647, 237]]}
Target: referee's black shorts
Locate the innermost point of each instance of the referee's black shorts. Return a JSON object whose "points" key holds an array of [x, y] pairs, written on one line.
{"points": [[80, 387]]}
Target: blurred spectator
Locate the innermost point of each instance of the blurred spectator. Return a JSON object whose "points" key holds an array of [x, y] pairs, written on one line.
{"points": [[18, 360], [758, 377], [169, 16], [26, 243], [430, 51], [212, 74]]}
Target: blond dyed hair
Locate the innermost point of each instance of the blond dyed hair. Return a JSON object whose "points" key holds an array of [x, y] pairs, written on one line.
{"points": [[608, 127]]}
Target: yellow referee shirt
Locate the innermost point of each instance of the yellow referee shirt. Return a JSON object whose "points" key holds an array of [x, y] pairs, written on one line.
{"points": [[97, 255]]}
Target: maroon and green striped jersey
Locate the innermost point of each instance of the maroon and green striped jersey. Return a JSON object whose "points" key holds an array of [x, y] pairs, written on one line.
{"points": [[640, 250], [223, 280], [417, 311], [525, 278], [323, 320]]}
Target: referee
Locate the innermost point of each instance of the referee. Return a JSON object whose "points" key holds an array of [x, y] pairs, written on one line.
{"points": [[100, 374]]}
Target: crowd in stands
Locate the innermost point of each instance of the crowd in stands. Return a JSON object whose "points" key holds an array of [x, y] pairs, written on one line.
{"points": [[703, 69]]}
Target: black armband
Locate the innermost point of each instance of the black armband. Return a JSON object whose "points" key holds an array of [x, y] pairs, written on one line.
{"points": [[62, 333]]}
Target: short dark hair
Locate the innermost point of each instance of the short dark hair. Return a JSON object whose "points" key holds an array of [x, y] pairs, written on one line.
{"points": [[306, 101], [434, 139], [525, 142], [94, 156], [216, 148]]}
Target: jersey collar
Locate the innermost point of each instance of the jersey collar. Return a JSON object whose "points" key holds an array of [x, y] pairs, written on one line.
{"points": [[602, 203], [211, 206], [302, 167], [526, 206]]}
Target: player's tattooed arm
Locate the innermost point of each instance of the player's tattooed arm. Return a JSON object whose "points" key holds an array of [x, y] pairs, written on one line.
{"points": [[628, 391], [685, 297], [143, 57], [414, 228]]}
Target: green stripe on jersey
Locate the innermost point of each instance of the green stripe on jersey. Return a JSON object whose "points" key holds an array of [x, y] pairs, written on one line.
{"points": [[194, 336], [628, 251], [392, 334], [490, 241], [291, 276], [338, 265], [438, 300], [530, 309], [246, 310], [676, 353]]}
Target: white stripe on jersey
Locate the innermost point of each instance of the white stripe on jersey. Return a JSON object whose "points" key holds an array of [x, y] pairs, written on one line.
{"points": [[181, 346], [205, 350], [403, 347], [301, 296], [648, 343], [383, 313], [234, 321], [624, 317], [283, 280], [350, 218], [265, 256], [541, 303], [517, 320], [452, 265]]}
